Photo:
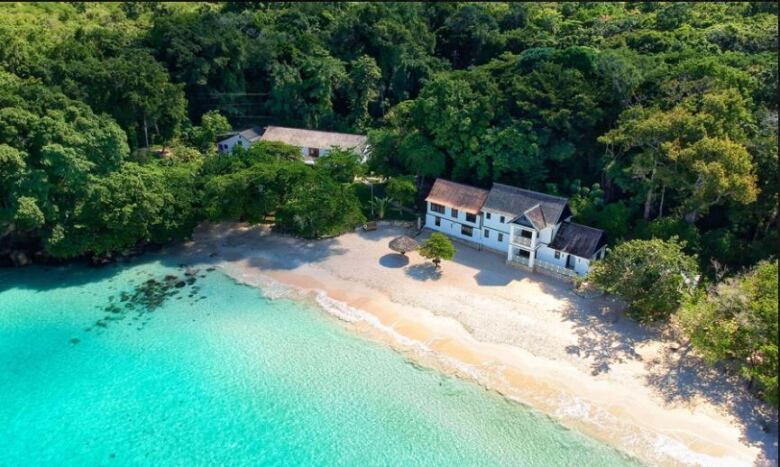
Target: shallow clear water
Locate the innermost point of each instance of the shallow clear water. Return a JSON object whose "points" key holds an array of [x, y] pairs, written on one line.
{"points": [[233, 379]]}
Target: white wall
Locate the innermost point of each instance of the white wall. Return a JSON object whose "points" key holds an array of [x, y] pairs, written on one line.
{"points": [[229, 143], [494, 223], [581, 266], [452, 225], [547, 255], [451, 228], [491, 241], [545, 235]]}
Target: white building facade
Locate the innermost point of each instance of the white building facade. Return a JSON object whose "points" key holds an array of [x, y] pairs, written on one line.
{"points": [[534, 230]]}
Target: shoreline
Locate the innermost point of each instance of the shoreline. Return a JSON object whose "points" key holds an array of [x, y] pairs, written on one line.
{"points": [[617, 410]]}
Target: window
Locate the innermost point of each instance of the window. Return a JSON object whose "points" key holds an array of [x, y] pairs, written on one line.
{"points": [[471, 218], [526, 233], [437, 221], [314, 152], [466, 230], [487, 215], [557, 255], [500, 237], [240, 143], [437, 208], [487, 233], [454, 213], [502, 219]]}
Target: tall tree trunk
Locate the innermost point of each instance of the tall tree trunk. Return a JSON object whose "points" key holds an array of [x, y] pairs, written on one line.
{"points": [[650, 192], [648, 203], [146, 133], [661, 205]]}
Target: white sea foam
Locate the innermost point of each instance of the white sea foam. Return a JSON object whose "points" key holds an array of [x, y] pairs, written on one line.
{"points": [[568, 408], [678, 451]]}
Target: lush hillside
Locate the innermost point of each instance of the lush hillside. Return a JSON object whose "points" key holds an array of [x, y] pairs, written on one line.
{"points": [[658, 119]]}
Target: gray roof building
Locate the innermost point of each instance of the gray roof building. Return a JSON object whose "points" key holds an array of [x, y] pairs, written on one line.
{"points": [[315, 139], [540, 209], [578, 240], [252, 134]]}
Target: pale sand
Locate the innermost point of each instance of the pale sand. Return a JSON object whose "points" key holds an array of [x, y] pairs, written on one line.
{"points": [[524, 335]]}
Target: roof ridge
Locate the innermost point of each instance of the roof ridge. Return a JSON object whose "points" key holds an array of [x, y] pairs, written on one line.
{"points": [[562, 198], [318, 131], [541, 211], [532, 207], [585, 226], [459, 183]]}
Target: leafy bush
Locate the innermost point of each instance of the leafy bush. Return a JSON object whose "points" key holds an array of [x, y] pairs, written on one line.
{"points": [[652, 276], [736, 321], [437, 248]]}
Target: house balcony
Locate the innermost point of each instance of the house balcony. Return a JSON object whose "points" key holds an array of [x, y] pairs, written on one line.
{"points": [[522, 241]]}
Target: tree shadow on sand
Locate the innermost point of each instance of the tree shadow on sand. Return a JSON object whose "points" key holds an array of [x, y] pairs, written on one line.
{"points": [[423, 272], [681, 377], [606, 337], [678, 377], [257, 246]]}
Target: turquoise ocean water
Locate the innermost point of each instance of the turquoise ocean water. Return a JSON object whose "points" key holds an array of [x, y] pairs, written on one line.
{"points": [[217, 374]]}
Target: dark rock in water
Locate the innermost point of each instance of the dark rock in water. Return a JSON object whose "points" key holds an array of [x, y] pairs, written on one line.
{"points": [[212, 255], [191, 272], [74, 340], [112, 455], [211, 269], [19, 258], [100, 323], [144, 299], [191, 280]]}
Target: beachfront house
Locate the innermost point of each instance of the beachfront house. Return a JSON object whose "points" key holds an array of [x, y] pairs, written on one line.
{"points": [[534, 230], [312, 143]]}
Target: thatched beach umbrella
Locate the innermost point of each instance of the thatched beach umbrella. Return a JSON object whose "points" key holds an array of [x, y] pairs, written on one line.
{"points": [[403, 244]]}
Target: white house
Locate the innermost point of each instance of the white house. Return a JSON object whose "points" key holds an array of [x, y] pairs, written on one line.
{"points": [[312, 143], [533, 229]]}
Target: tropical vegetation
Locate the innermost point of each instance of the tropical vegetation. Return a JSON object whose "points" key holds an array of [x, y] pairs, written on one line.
{"points": [[658, 120]]}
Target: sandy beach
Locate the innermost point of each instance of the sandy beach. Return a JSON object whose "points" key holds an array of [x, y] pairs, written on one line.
{"points": [[525, 335]]}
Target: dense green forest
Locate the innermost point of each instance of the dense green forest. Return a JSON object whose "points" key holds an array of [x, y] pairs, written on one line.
{"points": [[658, 120]]}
